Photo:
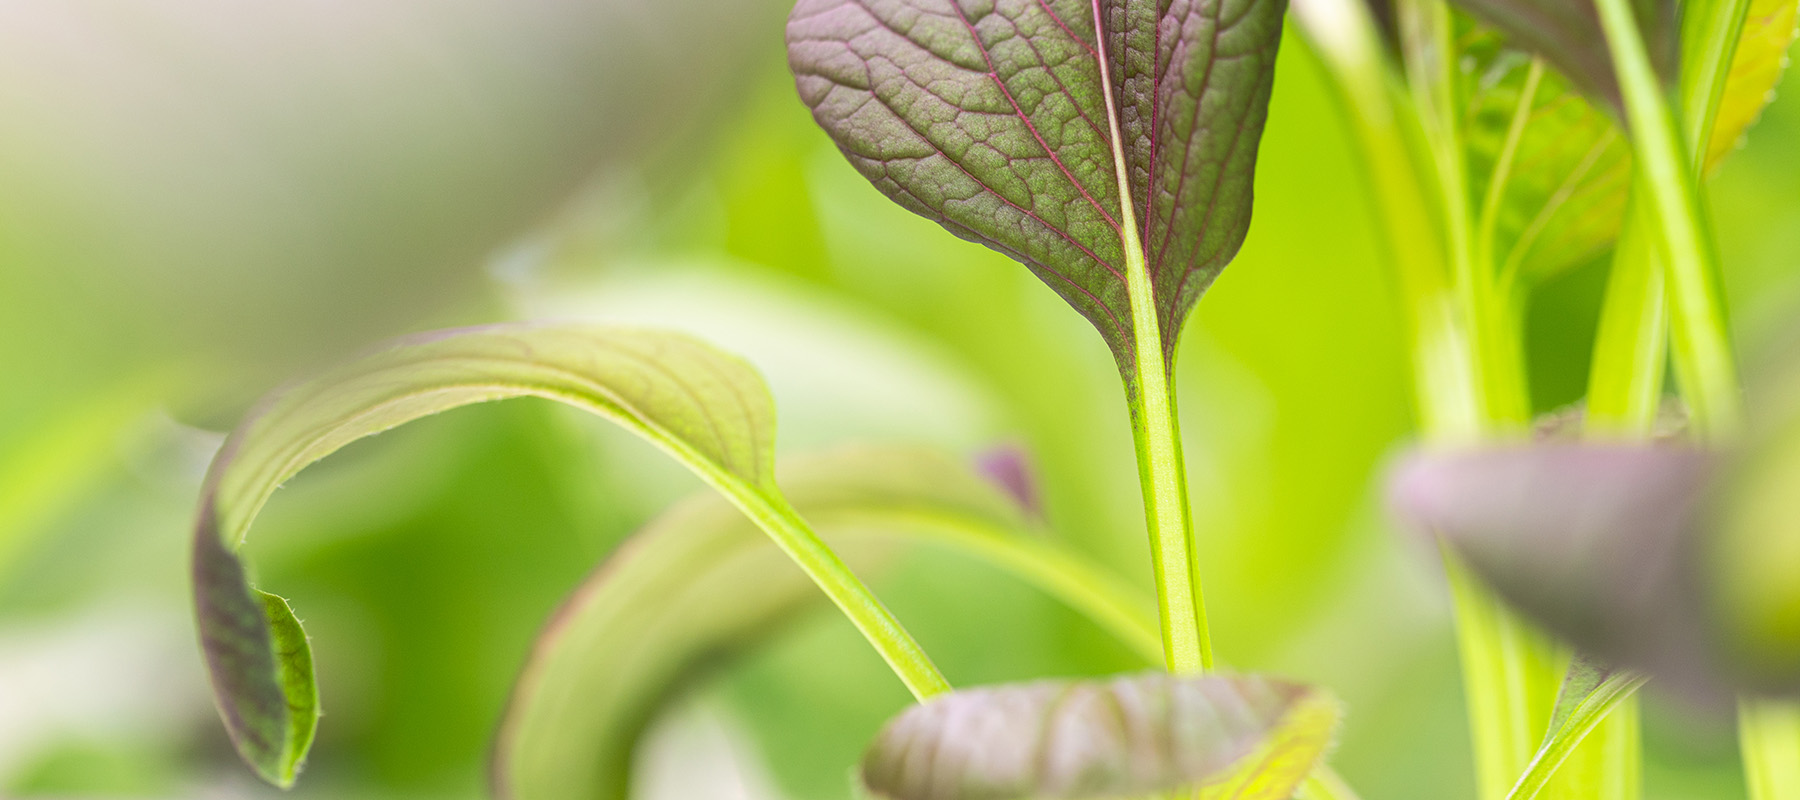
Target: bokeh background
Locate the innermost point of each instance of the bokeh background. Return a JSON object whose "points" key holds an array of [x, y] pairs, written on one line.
{"points": [[200, 199]]}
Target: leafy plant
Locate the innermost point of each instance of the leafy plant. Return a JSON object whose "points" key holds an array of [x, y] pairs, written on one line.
{"points": [[1502, 157], [1110, 147]]}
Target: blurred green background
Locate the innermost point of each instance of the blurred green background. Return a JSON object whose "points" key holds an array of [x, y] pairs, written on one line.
{"points": [[201, 198]]}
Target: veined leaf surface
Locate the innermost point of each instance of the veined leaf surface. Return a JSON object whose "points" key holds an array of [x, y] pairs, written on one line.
{"points": [[701, 582], [1249, 737], [709, 410], [1020, 124]]}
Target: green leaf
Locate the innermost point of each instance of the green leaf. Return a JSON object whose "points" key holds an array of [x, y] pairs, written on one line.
{"points": [[1567, 33], [1012, 124], [1756, 68], [1562, 199], [1591, 690], [1124, 737], [700, 583], [708, 410]]}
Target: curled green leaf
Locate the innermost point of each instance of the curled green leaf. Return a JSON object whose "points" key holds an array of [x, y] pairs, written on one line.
{"points": [[708, 410], [701, 582], [1020, 124], [1249, 737]]}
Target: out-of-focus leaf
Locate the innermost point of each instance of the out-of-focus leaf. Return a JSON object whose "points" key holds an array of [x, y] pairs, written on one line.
{"points": [[1250, 737], [45, 473], [1590, 691], [1762, 55], [1010, 124], [1754, 561], [252, 202], [709, 410], [700, 583], [1564, 197], [1567, 33], [1593, 541]]}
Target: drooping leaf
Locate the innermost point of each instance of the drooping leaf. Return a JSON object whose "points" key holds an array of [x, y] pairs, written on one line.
{"points": [[1009, 123], [1591, 690], [1567, 33], [1564, 197], [702, 582], [1129, 736], [707, 409]]}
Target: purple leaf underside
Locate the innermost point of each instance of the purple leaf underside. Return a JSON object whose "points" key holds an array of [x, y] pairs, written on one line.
{"points": [[1596, 542], [994, 118]]}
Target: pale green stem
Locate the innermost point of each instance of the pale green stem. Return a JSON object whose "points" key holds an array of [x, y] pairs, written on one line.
{"points": [[1769, 733], [1625, 382], [1156, 432], [878, 625], [1444, 381], [1097, 594], [1703, 360], [1586, 717], [1509, 675], [1454, 388], [1717, 26]]}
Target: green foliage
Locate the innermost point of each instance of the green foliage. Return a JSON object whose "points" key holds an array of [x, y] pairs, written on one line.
{"points": [[701, 583], [706, 409]]}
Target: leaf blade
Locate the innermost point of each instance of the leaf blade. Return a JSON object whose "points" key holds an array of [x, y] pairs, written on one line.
{"points": [[708, 410], [991, 119], [1131, 735]]}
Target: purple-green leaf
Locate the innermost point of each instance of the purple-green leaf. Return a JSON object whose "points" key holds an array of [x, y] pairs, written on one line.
{"points": [[1244, 737], [1009, 122], [1567, 34]]}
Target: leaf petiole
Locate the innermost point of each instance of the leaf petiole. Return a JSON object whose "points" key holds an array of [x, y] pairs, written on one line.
{"points": [[1156, 431]]}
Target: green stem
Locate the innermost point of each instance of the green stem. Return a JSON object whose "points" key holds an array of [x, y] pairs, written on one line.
{"points": [[1703, 360], [1769, 731], [1097, 594], [1770, 736], [1345, 38], [1587, 716], [1631, 347], [1156, 432], [791, 533]]}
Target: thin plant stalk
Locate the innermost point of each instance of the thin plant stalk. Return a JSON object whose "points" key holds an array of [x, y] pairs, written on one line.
{"points": [[1703, 360], [1769, 734], [1156, 432], [1510, 672], [1769, 731]]}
